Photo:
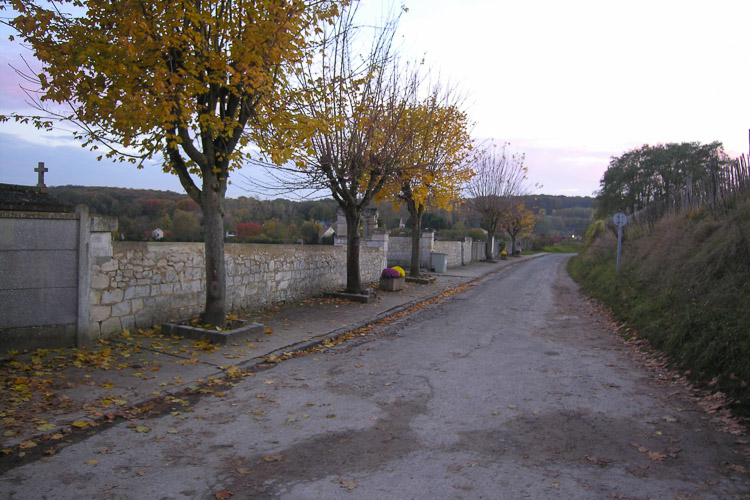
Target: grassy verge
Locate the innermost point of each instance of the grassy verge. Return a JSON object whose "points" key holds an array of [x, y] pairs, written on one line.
{"points": [[685, 286], [567, 247]]}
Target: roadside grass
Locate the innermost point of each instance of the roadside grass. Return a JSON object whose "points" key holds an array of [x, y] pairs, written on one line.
{"points": [[684, 285], [567, 247]]}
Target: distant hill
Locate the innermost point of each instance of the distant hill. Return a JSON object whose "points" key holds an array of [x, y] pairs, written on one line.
{"points": [[140, 211], [562, 215]]}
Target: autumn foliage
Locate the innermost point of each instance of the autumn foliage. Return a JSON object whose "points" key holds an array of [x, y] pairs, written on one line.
{"points": [[192, 83]]}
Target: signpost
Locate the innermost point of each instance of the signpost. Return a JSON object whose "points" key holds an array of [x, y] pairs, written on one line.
{"points": [[620, 219]]}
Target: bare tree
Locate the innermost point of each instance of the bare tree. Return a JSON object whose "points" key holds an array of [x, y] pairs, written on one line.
{"points": [[498, 179]]}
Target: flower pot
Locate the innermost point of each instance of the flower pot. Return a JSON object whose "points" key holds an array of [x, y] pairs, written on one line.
{"points": [[392, 284]]}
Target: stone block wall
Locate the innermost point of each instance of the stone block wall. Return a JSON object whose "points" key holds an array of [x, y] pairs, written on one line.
{"points": [[399, 250], [38, 279], [466, 250], [478, 250], [452, 249], [145, 283]]}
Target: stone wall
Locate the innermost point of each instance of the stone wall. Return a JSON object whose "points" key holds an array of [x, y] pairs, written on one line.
{"points": [[478, 250], [452, 249], [466, 246], [145, 284], [45, 260], [38, 279], [399, 250]]}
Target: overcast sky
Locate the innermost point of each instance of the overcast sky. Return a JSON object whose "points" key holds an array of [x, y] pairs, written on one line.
{"points": [[569, 83]]}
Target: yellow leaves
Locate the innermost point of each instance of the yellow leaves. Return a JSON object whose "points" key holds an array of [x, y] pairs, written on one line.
{"points": [[143, 429], [91, 462], [25, 445], [273, 458], [223, 494], [349, 484], [80, 424], [657, 457]]}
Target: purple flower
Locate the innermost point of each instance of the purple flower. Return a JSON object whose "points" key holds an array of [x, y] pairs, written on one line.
{"points": [[389, 273]]}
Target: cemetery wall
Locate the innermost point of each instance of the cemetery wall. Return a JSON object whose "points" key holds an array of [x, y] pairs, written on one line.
{"points": [[478, 250], [466, 249], [146, 283], [39, 285], [452, 249], [399, 250]]}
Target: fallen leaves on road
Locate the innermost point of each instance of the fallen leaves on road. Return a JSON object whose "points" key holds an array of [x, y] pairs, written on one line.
{"points": [[601, 462], [223, 494], [349, 484], [657, 457]]}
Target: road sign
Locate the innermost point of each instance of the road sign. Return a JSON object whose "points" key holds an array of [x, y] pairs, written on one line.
{"points": [[620, 219]]}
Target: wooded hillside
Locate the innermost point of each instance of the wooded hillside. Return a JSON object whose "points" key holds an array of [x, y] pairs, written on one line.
{"points": [[140, 211]]}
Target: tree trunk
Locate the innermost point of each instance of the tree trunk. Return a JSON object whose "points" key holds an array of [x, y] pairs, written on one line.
{"points": [[416, 238], [212, 197], [353, 279], [488, 245], [512, 244]]}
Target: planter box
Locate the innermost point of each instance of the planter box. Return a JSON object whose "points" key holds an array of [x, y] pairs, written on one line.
{"points": [[423, 280], [242, 333], [392, 284], [364, 298]]}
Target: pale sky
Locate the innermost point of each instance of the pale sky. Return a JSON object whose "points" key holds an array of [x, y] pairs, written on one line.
{"points": [[569, 83]]}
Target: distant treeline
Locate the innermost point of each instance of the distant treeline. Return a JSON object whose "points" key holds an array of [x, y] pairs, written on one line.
{"points": [[141, 211]]}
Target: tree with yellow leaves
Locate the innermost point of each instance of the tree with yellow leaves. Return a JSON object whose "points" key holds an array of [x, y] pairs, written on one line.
{"points": [[433, 170], [194, 81], [518, 222]]}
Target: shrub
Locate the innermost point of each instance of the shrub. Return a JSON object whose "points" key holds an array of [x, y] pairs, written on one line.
{"points": [[476, 234]]}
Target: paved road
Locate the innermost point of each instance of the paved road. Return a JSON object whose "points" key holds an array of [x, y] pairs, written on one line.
{"points": [[513, 389]]}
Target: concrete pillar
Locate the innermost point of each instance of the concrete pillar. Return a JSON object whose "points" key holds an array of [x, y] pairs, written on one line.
{"points": [[94, 248], [378, 239], [426, 246], [83, 337]]}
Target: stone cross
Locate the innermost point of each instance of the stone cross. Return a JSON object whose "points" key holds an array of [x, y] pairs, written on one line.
{"points": [[41, 169]]}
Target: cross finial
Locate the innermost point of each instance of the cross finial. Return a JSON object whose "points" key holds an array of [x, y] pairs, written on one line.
{"points": [[40, 170]]}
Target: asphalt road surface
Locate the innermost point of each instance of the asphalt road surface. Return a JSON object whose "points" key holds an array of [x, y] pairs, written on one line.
{"points": [[515, 388]]}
